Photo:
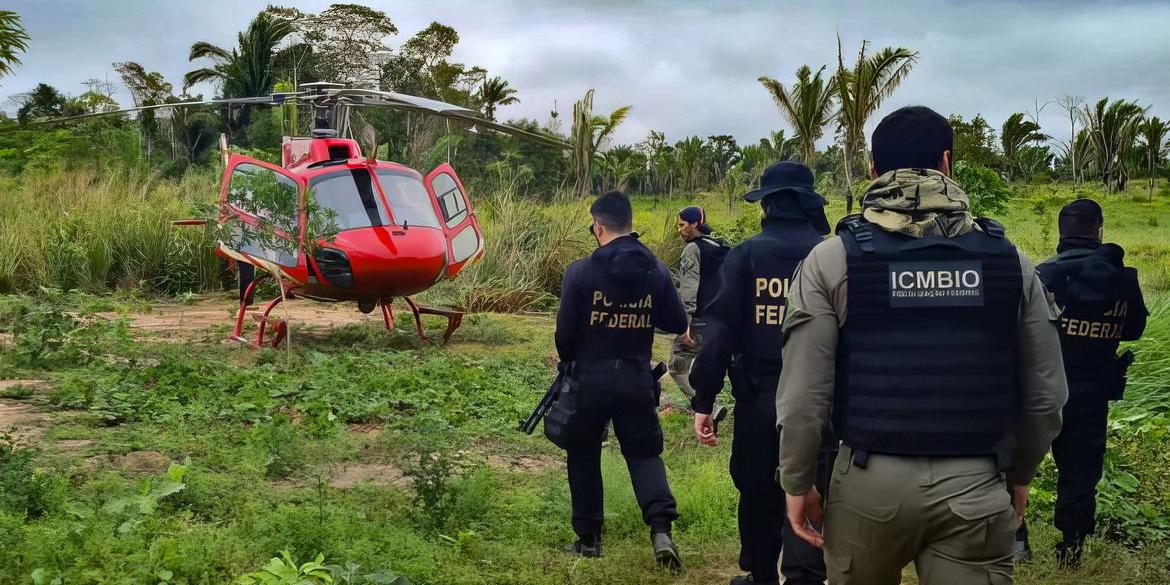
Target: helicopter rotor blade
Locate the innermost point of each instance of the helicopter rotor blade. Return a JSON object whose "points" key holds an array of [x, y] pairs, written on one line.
{"points": [[367, 97], [279, 98]]}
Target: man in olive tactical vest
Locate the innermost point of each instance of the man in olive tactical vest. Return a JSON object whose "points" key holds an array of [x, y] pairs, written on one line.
{"points": [[932, 342], [743, 341], [698, 283], [611, 303], [1102, 306]]}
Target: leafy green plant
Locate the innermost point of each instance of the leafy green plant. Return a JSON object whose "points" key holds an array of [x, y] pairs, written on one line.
{"points": [[986, 190], [23, 489], [283, 570], [135, 508], [281, 440], [433, 467]]}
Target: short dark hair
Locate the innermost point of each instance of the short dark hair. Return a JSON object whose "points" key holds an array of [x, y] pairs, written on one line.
{"points": [[1081, 218], [612, 210], [913, 137]]}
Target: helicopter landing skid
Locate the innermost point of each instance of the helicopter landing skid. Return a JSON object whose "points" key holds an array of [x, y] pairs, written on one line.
{"points": [[454, 318], [279, 326]]}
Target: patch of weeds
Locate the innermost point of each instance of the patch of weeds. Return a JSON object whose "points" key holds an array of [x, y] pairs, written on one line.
{"points": [[281, 440], [283, 570], [132, 510], [24, 489], [485, 329], [18, 392], [434, 466]]}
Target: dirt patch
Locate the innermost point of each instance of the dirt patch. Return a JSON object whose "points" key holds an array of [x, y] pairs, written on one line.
{"points": [[370, 429], [524, 463], [22, 420], [74, 445], [193, 320], [135, 462], [33, 384], [357, 474]]}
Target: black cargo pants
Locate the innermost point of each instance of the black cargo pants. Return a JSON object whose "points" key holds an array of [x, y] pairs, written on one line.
{"points": [[755, 455], [621, 391], [1079, 454]]}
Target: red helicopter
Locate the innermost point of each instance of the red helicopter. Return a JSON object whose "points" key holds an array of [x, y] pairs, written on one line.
{"points": [[398, 232]]}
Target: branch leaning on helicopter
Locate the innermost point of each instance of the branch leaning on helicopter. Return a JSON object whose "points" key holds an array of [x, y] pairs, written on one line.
{"points": [[330, 224]]}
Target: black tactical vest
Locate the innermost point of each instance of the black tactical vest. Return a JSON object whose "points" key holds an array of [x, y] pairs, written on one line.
{"points": [[927, 356], [712, 251], [772, 260], [1095, 309]]}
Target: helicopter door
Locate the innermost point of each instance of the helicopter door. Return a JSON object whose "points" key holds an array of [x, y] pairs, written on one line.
{"points": [[261, 204], [464, 236]]}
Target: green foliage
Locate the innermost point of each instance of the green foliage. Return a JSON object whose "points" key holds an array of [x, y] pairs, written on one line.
{"points": [[280, 440], [433, 465], [987, 191], [25, 490], [283, 570], [13, 41]]}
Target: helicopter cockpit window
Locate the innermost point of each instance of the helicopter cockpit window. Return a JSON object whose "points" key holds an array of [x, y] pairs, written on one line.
{"points": [[408, 199], [450, 199], [271, 198], [350, 195]]}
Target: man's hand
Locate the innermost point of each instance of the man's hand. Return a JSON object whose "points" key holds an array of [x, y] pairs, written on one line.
{"points": [[704, 430], [1020, 502], [686, 339], [805, 514]]}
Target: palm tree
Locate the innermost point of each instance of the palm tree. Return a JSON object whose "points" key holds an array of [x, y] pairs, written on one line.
{"points": [[244, 71], [495, 92], [860, 92], [1016, 134], [589, 132], [13, 41], [618, 165], [807, 107], [1113, 128], [1153, 132]]}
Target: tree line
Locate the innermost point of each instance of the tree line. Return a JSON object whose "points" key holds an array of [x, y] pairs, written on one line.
{"points": [[1111, 140]]}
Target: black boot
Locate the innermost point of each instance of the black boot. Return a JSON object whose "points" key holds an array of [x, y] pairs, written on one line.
{"points": [[586, 547], [665, 552], [749, 580], [1068, 551]]}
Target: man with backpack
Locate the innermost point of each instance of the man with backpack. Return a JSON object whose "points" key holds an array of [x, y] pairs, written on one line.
{"points": [[698, 282], [743, 342]]}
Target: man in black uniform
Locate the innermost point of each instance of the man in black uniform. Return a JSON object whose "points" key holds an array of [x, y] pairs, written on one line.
{"points": [[611, 303], [1103, 306], [743, 339]]}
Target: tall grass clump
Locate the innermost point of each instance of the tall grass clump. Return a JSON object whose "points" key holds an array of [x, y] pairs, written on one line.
{"points": [[527, 248], [94, 231]]}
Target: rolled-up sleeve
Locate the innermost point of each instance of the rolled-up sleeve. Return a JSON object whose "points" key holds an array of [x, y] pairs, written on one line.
{"points": [[1042, 384], [814, 314]]}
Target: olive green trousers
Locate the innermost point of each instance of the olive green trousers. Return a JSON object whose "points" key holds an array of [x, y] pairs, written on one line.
{"points": [[950, 516]]}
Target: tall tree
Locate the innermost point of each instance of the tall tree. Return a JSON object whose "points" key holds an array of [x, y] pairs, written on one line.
{"points": [[1071, 104], [44, 101], [1153, 133], [807, 106], [13, 41], [346, 41], [1016, 134], [861, 91], [146, 89], [725, 154], [1113, 128], [496, 92], [246, 70], [974, 141], [588, 133]]}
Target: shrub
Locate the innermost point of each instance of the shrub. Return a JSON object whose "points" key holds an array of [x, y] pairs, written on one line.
{"points": [[986, 190]]}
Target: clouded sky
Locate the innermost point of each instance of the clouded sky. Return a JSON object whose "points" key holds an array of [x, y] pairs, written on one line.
{"points": [[687, 67]]}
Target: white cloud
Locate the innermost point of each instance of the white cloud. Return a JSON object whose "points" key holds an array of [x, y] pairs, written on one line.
{"points": [[687, 67]]}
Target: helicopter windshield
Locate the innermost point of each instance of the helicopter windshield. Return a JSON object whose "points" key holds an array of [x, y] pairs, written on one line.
{"points": [[409, 201], [350, 194]]}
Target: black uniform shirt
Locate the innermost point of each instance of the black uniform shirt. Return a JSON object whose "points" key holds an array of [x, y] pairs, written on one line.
{"points": [[738, 321], [612, 301], [1102, 306]]}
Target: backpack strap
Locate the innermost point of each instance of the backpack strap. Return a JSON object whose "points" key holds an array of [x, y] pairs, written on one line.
{"points": [[991, 227], [859, 230]]}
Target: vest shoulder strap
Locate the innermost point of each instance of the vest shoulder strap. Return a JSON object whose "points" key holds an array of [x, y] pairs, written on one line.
{"points": [[859, 230], [992, 227]]}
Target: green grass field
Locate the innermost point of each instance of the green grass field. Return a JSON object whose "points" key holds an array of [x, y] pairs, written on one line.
{"points": [[142, 451]]}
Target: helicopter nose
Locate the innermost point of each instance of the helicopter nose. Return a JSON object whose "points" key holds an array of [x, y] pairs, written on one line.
{"points": [[392, 261]]}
